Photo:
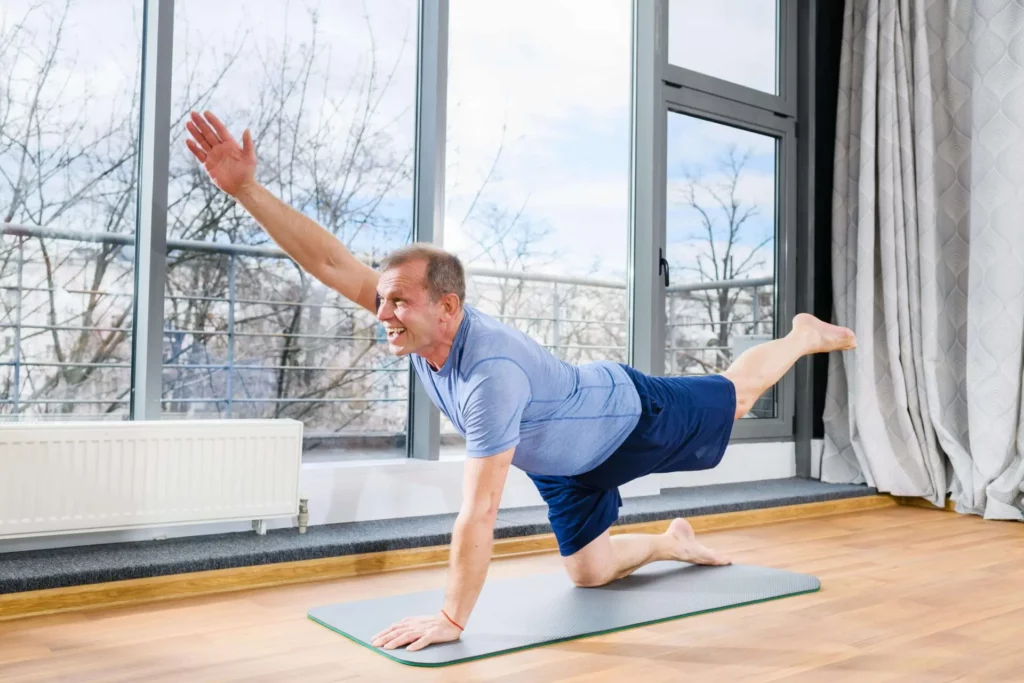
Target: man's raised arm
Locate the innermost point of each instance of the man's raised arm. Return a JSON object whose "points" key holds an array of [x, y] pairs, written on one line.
{"points": [[232, 167]]}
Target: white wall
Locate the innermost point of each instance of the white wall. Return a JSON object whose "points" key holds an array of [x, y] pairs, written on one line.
{"points": [[387, 489]]}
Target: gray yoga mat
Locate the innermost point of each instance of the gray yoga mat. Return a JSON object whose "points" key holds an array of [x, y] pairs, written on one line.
{"points": [[515, 614]]}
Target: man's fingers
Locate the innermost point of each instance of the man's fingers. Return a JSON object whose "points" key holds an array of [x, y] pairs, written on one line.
{"points": [[420, 644], [402, 639], [392, 630], [198, 135], [385, 635], [195, 149], [247, 147], [204, 128], [219, 128]]}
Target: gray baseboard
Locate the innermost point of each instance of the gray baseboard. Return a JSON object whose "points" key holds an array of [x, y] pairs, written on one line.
{"points": [[82, 565]]}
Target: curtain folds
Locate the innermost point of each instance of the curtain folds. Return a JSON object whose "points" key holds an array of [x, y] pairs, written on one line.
{"points": [[928, 253]]}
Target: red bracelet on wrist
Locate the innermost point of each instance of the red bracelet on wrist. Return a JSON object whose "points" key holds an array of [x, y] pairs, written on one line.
{"points": [[452, 620]]}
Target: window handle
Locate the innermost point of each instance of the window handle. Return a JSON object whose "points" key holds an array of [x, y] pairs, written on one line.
{"points": [[662, 265]]}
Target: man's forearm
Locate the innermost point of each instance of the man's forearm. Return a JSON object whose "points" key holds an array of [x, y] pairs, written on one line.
{"points": [[306, 242], [472, 542]]}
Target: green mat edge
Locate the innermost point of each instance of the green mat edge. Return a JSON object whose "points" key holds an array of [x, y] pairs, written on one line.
{"points": [[427, 665]]}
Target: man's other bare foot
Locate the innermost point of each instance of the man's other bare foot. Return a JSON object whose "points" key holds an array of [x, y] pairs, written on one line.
{"points": [[688, 548]]}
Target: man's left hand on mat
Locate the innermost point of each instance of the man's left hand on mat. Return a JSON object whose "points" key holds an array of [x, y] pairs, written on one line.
{"points": [[419, 631]]}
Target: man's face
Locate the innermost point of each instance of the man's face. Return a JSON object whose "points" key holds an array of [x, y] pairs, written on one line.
{"points": [[413, 322]]}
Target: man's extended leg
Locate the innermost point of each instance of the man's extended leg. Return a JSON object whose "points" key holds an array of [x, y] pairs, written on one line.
{"points": [[759, 368], [608, 557]]}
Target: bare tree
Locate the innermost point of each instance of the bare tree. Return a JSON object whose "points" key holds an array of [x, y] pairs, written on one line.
{"points": [[61, 166], [341, 178], [724, 220]]}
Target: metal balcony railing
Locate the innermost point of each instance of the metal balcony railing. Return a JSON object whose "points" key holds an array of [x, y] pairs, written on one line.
{"points": [[577, 318]]}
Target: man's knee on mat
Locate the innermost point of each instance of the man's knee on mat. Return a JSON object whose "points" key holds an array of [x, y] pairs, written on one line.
{"points": [[589, 576], [593, 565]]}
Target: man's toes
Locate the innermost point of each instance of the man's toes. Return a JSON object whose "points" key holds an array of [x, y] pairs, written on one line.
{"points": [[716, 559]]}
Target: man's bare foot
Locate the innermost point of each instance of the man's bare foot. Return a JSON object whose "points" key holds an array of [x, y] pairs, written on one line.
{"points": [[822, 337], [689, 549]]}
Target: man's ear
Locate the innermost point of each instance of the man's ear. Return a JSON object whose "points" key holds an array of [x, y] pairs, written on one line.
{"points": [[451, 304]]}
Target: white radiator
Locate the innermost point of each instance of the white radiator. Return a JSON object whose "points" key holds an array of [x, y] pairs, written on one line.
{"points": [[74, 476]]}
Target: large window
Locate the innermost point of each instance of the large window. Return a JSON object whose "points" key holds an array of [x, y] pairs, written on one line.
{"points": [[537, 167], [328, 90], [68, 158], [553, 119]]}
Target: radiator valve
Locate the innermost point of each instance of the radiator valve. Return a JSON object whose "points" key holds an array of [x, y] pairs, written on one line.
{"points": [[303, 514]]}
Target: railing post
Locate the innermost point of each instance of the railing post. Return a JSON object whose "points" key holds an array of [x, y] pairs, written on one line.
{"points": [[757, 311], [556, 332], [232, 269], [16, 394]]}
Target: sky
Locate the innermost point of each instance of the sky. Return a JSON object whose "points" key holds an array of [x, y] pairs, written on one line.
{"points": [[557, 93], [544, 81], [746, 54]]}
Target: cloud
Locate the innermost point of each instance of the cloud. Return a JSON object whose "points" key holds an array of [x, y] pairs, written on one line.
{"points": [[526, 82], [694, 143], [553, 95]]}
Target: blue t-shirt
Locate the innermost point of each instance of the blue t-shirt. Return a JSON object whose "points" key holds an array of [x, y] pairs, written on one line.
{"points": [[500, 389]]}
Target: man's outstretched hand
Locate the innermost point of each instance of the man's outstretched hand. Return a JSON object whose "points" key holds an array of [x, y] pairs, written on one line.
{"points": [[231, 166], [420, 631]]}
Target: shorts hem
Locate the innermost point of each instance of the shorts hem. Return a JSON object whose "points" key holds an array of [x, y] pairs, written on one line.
{"points": [[591, 529]]}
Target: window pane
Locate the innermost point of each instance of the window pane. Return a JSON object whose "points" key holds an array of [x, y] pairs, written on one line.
{"points": [[68, 140], [703, 36], [720, 225], [537, 178], [328, 91]]}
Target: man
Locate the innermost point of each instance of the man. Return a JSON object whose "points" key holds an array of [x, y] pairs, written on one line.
{"points": [[579, 432]]}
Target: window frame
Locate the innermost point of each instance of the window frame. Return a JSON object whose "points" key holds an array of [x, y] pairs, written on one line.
{"points": [[661, 88], [680, 101], [423, 425], [151, 221], [785, 102]]}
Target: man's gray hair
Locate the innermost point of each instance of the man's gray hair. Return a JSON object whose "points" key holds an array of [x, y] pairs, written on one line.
{"points": [[445, 274]]}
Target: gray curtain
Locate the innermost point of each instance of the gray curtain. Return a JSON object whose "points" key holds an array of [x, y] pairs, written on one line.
{"points": [[928, 253]]}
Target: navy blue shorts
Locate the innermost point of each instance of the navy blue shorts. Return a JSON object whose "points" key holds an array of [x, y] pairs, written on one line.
{"points": [[685, 425]]}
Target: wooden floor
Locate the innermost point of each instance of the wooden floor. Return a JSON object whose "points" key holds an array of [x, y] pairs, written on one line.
{"points": [[907, 594]]}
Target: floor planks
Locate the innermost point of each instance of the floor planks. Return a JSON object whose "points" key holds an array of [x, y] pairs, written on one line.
{"points": [[907, 594]]}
